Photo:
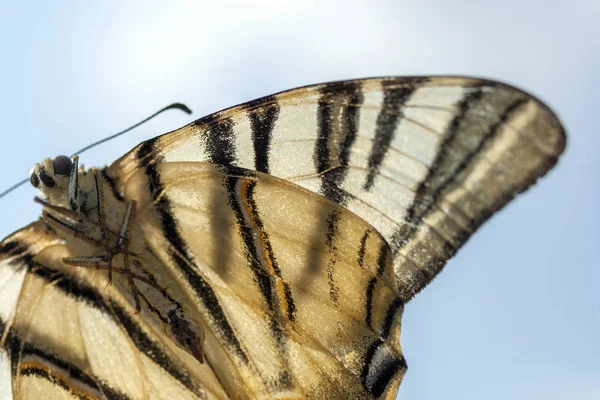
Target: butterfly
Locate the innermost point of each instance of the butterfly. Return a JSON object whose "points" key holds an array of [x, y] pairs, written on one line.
{"points": [[266, 250]]}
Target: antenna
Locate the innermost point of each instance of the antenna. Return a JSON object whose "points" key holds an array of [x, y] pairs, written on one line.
{"points": [[177, 106]]}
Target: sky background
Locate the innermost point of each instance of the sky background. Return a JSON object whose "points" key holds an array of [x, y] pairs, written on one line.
{"points": [[516, 314]]}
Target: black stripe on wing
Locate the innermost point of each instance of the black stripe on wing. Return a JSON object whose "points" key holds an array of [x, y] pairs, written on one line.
{"points": [[465, 139], [390, 115], [240, 192], [262, 122], [382, 259], [219, 139], [440, 172], [92, 297], [338, 116], [269, 255], [181, 256], [29, 360], [333, 231]]}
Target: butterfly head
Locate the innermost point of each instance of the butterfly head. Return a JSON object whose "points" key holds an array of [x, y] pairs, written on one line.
{"points": [[58, 180]]}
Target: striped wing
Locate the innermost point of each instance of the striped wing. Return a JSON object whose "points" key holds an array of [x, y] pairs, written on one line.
{"points": [[291, 230], [425, 161], [296, 294], [66, 334], [302, 305]]}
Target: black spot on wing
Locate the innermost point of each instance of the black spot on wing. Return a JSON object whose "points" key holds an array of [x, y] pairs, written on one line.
{"points": [[262, 122], [380, 367], [394, 98], [381, 364]]}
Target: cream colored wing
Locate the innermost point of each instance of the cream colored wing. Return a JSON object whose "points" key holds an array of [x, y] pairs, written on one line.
{"points": [[66, 334], [296, 293], [266, 250], [425, 161]]}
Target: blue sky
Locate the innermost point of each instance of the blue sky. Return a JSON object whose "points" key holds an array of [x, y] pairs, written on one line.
{"points": [[516, 314]]}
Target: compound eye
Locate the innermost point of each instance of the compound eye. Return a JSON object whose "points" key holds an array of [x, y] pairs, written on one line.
{"points": [[33, 178], [62, 165]]}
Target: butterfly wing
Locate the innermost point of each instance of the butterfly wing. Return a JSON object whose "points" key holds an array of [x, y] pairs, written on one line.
{"points": [[425, 161], [67, 334], [296, 293], [421, 163], [293, 228]]}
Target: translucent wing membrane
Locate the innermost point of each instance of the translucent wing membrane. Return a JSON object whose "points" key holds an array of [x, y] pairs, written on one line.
{"points": [[425, 161], [264, 251], [287, 303], [69, 335]]}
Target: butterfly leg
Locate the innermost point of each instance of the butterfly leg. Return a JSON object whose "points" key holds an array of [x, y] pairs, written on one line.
{"points": [[186, 332], [102, 220], [104, 242], [123, 246]]}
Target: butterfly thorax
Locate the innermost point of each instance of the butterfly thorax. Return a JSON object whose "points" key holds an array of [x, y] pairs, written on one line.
{"points": [[81, 208]]}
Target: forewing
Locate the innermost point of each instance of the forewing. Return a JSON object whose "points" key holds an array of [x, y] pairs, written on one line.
{"points": [[67, 334], [296, 293], [425, 161]]}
